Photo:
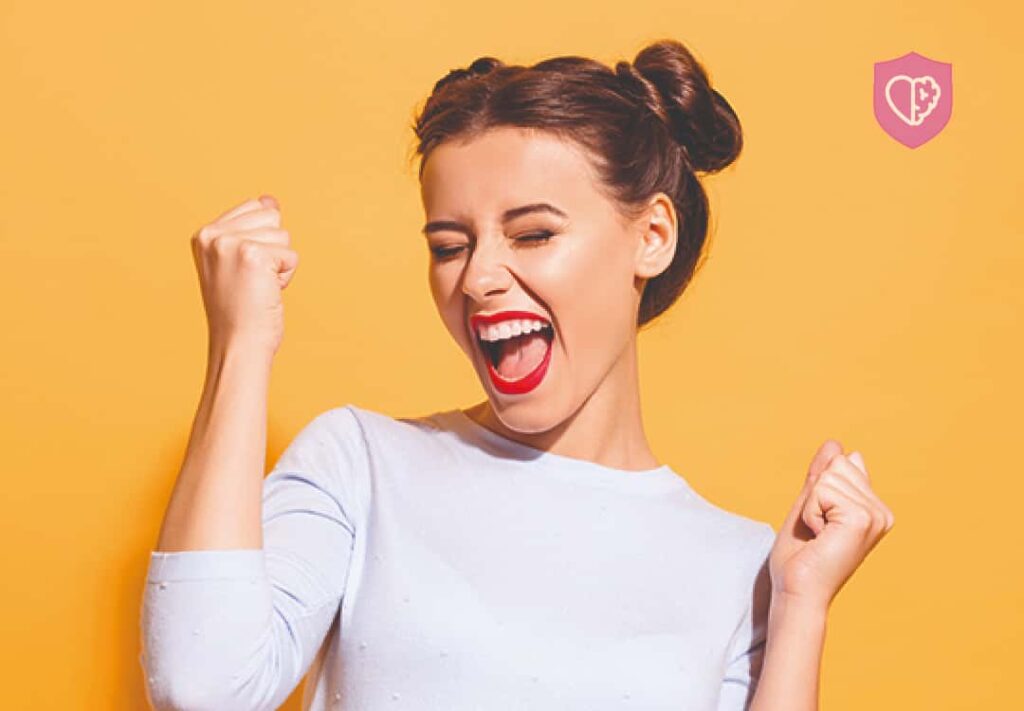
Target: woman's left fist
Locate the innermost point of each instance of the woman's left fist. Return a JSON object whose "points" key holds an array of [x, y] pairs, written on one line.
{"points": [[835, 522]]}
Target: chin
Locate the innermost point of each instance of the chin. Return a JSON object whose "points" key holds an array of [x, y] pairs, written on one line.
{"points": [[527, 416]]}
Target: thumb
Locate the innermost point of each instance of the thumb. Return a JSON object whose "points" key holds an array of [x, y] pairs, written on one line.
{"points": [[793, 525], [287, 261], [829, 449]]}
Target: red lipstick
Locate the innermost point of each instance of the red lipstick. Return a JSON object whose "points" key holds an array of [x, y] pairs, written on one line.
{"points": [[498, 316], [529, 381]]}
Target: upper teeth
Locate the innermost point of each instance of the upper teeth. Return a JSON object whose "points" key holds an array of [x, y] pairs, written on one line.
{"points": [[508, 329]]}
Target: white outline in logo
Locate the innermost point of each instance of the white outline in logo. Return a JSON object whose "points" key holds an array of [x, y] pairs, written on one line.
{"points": [[915, 118]]}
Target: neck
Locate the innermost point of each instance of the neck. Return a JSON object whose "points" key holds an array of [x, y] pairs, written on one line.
{"points": [[606, 429]]}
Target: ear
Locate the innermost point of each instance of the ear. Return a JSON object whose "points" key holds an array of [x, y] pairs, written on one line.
{"points": [[657, 244]]}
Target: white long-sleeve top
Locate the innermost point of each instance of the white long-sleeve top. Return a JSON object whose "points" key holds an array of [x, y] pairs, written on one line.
{"points": [[430, 564]]}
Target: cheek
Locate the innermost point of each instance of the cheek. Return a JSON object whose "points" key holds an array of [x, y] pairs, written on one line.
{"points": [[450, 304], [588, 280], [438, 287], [593, 299]]}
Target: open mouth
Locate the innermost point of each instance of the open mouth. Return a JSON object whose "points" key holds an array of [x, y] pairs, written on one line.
{"points": [[518, 364], [515, 357]]}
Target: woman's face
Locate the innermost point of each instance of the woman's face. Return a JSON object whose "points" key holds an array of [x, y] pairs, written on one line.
{"points": [[577, 265]]}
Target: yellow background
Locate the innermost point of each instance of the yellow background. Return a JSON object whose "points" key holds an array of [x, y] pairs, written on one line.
{"points": [[856, 289]]}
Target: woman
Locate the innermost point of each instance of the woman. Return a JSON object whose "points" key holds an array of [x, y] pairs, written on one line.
{"points": [[529, 552]]}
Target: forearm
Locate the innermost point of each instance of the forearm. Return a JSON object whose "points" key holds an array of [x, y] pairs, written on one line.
{"points": [[792, 657], [216, 499]]}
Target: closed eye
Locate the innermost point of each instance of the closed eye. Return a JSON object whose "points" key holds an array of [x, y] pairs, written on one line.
{"points": [[543, 236], [445, 252], [533, 238]]}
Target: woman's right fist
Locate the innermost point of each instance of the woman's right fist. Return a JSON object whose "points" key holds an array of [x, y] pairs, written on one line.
{"points": [[244, 263]]}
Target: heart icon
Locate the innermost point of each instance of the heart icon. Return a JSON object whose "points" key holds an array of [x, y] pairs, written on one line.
{"points": [[918, 95], [912, 97]]}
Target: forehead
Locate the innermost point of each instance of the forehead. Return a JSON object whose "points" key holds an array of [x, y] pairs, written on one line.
{"points": [[502, 168]]}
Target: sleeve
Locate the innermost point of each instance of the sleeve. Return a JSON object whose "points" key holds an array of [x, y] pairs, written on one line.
{"points": [[239, 628], [746, 652]]}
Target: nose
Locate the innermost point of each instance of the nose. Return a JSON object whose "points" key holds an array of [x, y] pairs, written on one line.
{"points": [[486, 272]]}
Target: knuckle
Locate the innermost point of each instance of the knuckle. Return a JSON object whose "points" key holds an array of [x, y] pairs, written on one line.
{"points": [[249, 251], [221, 244], [862, 519], [205, 233]]}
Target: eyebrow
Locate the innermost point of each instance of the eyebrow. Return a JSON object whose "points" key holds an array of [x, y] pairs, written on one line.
{"points": [[507, 216]]}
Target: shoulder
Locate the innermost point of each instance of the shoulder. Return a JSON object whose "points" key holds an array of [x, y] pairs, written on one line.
{"points": [[747, 537], [376, 433], [356, 422], [373, 424], [741, 546]]}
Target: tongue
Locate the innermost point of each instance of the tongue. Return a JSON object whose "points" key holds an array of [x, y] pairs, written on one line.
{"points": [[520, 355]]}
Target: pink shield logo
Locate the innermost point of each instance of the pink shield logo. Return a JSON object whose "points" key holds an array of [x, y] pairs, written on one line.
{"points": [[913, 97]]}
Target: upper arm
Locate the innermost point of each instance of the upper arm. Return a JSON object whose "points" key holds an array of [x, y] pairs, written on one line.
{"points": [[311, 509], [311, 516], [239, 628], [746, 652]]}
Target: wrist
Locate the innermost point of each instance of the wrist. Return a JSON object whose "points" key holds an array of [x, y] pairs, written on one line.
{"points": [[240, 350], [798, 611]]}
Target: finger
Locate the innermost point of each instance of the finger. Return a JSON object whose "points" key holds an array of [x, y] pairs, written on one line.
{"points": [[858, 459], [265, 235], [845, 477], [813, 513], [826, 452], [238, 210], [830, 505], [856, 477], [827, 503], [857, 508], [288, 271], [275, 256], [285, 262], [838, 475], [263, 217]]}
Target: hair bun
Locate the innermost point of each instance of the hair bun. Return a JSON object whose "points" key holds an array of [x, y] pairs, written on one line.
{"points": [[480, 66], [698, 117]]}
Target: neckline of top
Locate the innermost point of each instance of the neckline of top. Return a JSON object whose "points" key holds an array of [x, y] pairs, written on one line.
{"points": [[660, 477]]}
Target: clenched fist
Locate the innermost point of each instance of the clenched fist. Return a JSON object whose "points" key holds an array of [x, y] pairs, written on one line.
{"points": [[244, 263], [835, 522]]}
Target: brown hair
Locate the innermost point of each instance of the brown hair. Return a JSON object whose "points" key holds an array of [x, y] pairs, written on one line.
{"points": [[648, 126]]}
